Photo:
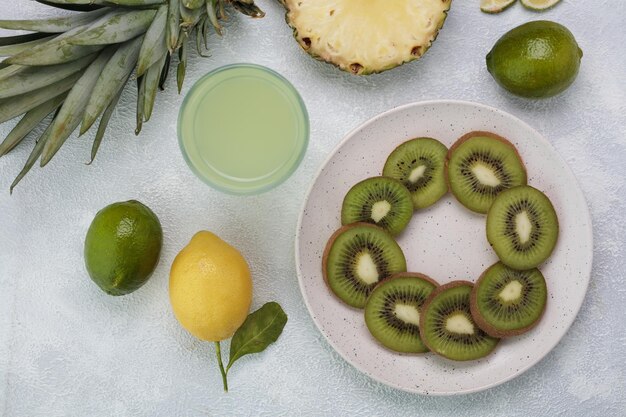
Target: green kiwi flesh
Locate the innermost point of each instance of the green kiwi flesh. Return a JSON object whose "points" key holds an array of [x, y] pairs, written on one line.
{"points": [[447, 326], [522, 227], [356, 258], [506, 302], [480, 165], [393, 309], [382, 201], [419, 164]]}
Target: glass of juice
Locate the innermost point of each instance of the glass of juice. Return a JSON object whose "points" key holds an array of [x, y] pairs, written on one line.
{"points": [[243, 129]]}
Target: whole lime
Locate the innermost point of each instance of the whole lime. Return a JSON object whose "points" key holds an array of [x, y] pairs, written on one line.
{"points": [[537, 59], [122, 247]]}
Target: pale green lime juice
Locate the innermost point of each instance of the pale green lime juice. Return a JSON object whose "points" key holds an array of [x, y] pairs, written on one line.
{"points": [[243, 128]]}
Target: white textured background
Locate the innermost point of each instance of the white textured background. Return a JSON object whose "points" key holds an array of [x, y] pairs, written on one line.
{"points": [[66, 349]]}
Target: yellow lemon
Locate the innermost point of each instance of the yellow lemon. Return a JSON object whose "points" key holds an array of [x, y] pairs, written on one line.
{"points": [[210, 287]]}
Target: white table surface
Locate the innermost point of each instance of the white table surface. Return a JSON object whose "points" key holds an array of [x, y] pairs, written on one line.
{"points": [[67, 349]]}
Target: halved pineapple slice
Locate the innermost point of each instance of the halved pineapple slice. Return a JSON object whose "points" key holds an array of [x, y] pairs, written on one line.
{"points": [[369, 36]]}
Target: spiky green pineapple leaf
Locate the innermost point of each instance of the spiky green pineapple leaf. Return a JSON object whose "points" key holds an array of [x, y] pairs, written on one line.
{"points": [[119, 25], [54, 25], [71, 112], [154, 43], [111, 80]]}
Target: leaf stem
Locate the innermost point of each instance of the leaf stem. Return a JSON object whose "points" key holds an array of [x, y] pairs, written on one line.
{"points": [[218, 351]]}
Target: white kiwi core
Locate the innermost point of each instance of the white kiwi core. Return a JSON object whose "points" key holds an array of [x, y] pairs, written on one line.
{"points": [[366, 269], [511, 291], [460, 324], [380, 209], [407, 313], [485, 175], [417, 173], [523, 226]]}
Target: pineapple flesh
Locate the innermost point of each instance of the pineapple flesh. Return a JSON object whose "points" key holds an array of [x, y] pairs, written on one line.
{"points": [[366, 36]]}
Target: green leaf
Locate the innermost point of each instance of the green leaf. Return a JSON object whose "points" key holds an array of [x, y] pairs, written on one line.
{"points": [[173, 24], [212, 10], [55, 51], [154, 44], [165, 71], [59, 4], [152, 83], [261, 329], [14, 40], [32, 158], [71, 112], [54, 25], [27, 123], [8, 50], [248, 8], [193, 4], [32, 78], [141, 96], [182, 65], [14, 106], [136, 3], [117, 26], [111, 80], [102, 126]]}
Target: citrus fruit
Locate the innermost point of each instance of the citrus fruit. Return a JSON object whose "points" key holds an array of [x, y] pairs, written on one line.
{"points": [[210, 287], [495, 6], [122, 247], [537, 59], [539, 5]]}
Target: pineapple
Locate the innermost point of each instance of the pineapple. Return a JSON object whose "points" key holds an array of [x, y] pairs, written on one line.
{"points": [[70, 71], [366, 36]]}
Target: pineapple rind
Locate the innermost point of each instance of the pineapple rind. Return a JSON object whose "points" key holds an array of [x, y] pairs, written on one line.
{"points": [[366, 37]]}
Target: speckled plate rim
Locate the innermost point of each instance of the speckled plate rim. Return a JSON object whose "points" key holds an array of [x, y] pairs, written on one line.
{"points": [[376, 119]]}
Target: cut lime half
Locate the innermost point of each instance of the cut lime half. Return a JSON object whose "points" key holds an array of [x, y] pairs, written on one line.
{"points": [[539, 5], [495, 6]]}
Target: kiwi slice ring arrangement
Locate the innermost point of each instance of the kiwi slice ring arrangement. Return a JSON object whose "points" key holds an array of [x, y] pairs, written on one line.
{"points": [[409, 312]]}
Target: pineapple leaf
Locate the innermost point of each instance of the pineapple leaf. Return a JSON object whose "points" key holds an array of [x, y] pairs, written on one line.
{"points": [[11, 70], [120, 25], [165, 71], [55, 51], [173, 24], [141, 93], [70, 3], [193, 4], [136, 3], [189, 18], [71, 112], [70, 6], [152, 83], [54, 25], [14, 40], [9, 50], [34, 155], [111, 80], [14, 106], [212, 9], [32, 78], [102, 126], [182, 66], [248, 8], [27, 123], [154, 44]]}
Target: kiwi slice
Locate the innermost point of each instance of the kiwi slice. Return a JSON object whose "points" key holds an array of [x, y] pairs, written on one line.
{"points": [[480, 165], [392, 311], [356, 258], [522, 227], [419, 165], [506, 302], [447, 326], [382, 201]]}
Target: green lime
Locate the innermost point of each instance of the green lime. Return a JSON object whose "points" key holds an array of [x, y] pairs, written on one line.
{"points": [[537, 59], [122, 247]]}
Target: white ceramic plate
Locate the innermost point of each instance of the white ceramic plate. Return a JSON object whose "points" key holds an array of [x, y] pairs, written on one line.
{"points": [[446, 242]]}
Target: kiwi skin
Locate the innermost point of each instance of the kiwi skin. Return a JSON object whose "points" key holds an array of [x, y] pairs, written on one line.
{"points": [[329, 245], [465, 138], [484, 325], [404, 275], [427, 303]]}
